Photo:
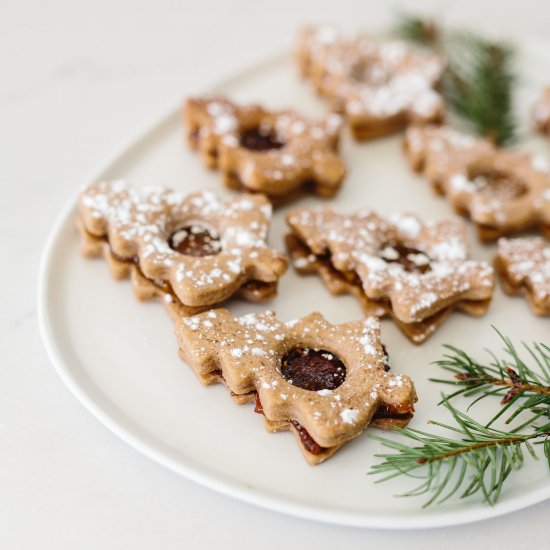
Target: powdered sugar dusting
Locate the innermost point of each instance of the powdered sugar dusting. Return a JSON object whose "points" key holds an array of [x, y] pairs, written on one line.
{"points": [[349, 416]]}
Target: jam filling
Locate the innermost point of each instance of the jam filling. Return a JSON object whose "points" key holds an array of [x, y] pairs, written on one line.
{"points": [[411, 259], [312, 369], [195, 240], [159, 283], [194, 135], [165, 286], [394, 412], [500, 184], [260, 139], [386, 358], [126, 259], [307, 441], [295, 244]]}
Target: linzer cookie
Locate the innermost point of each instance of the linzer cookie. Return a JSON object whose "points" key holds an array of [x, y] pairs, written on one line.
{"points": [[541, 113], [190, 251], [278, 153], [324, 382], [524, 268], [503, 192], [380, 88], [416, 272]]}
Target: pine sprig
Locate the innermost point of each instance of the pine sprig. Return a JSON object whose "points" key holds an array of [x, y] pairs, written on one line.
{"points": [[479, 462], [421, 31], [522, 387], [482, 458], [479, 85], [480, 80]]}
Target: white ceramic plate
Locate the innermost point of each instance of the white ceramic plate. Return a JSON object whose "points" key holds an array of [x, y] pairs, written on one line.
{"points": [[119, 356]]}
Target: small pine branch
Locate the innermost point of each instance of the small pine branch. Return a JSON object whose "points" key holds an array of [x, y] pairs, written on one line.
{"points": [[479, 86], [521, 386], [421, 31], [480, 80], [478, 463], [483, 457]]}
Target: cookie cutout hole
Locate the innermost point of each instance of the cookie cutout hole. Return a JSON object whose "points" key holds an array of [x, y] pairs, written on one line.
{"points": [[195, 240], [313, 369], [410, 259], [260, 138], [498, 183]]}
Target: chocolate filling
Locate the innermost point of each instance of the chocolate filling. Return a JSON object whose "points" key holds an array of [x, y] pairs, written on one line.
{"points": [[313, 369], [411, 259], [195, 240], [259, 139], [497, 183], [307, 441]]}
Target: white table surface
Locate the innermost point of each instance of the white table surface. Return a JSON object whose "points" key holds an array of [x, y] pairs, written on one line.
{"points": [[76, 79]]}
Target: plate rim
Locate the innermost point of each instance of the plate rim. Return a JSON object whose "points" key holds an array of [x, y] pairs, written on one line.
{"points": [[182, 466]]}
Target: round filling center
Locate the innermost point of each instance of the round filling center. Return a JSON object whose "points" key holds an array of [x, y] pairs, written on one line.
{"points": [[260, 139], [313, 369], [498, 183], [195, 240], [411, 259]]}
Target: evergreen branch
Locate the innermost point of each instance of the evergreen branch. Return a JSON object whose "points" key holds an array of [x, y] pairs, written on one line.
{"points": [[479, 85], [481, 458], [480, 80], [423, 32], [512, 378], [479, 462]]}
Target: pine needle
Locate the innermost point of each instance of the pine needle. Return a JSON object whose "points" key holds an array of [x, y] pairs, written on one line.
{"points": [[479, 462], [479, 84], [421, 31], [481, 458], [521, 386], [480, 80]]}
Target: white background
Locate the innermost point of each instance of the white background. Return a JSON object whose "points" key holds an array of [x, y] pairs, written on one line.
{"points": [[76, 79]]}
